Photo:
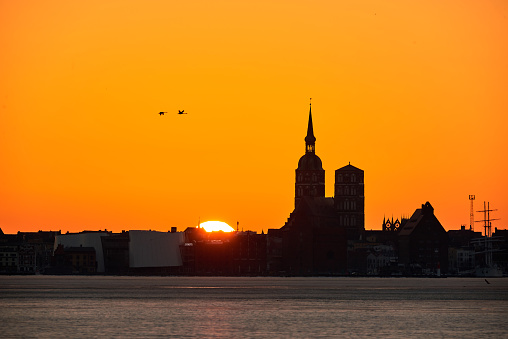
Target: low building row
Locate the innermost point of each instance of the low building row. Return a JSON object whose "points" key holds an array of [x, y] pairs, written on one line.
{"points": [[414, 246]]}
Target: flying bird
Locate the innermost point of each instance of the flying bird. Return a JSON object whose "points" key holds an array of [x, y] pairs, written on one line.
{"points": [[162, 113], [181, 112]]}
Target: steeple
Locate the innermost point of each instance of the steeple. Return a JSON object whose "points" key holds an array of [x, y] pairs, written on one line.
{"points": [[310, 139], [310, 175]]}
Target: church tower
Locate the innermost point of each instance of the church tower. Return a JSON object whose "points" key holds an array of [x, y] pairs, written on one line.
{"points": [[350, 200], [310, 175]]}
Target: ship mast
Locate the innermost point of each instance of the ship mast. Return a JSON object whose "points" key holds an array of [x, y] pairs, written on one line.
{"points": [[487, 225]]}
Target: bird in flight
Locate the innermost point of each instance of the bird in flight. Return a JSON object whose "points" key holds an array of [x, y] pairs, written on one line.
{"points": [[179, 112]]}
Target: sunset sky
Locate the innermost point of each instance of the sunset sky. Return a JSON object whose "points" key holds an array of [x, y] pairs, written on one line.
{"points": [[415, 93]]}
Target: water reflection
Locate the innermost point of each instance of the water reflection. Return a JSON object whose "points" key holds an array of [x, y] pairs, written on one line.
{"points": [[252, 307]]}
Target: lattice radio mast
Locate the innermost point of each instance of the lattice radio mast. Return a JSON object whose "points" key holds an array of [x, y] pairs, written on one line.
{"points": [[471, 213]]}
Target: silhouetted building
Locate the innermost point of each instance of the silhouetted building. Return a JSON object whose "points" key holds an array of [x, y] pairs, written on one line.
{"points": [[313, 241], [274, 252], [314, 238], [249, 253], [500, 254], [26, 252], [223, 253], [462, 238], [423, 243], [74, 260], [382, 253], [152, 252], [27, 259], [116, 253], [382, 260], [85, 239], [392, 226], [9, 258], [461, 251], [350, 200], [213, 257]]}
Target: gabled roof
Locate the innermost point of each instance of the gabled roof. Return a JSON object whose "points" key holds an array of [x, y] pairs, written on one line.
{"points": [[411, 224], [350, 167], [426, 212]]}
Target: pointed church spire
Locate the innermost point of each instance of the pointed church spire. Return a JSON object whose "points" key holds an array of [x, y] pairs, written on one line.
{"points": [[310, 139], [310, 175]]}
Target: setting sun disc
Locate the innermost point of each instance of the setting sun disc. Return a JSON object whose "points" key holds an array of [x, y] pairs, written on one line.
{"points": [[216, 226]]}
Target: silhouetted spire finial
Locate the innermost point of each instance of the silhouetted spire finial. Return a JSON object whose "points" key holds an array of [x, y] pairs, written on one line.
{"points": [[310, 139]]}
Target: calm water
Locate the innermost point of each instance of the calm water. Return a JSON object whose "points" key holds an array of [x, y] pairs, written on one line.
{"points": [[87, 307]]}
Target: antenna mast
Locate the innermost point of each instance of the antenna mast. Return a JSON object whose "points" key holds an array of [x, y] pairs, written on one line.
{"points": [[471, 213]]}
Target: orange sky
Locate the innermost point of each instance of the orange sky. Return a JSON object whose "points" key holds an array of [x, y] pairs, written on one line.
{"points": [[412, 92]]}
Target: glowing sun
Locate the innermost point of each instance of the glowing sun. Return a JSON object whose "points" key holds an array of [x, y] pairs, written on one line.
{"points": [[215, 226]]}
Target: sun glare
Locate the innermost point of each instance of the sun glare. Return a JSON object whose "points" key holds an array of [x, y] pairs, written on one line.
{"points": [[215, 226]]}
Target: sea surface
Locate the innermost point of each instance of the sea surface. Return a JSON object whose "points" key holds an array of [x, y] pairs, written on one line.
{"points": [[252, 307]]}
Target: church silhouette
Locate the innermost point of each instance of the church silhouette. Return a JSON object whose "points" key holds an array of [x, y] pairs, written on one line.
{"points": [[315, 238]]}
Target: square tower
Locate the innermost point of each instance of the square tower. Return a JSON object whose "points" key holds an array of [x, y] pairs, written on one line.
{"points": [[350, 200]]}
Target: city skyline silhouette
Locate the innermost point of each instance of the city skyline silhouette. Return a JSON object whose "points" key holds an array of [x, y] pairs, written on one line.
{"points": [[413, 94]]}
